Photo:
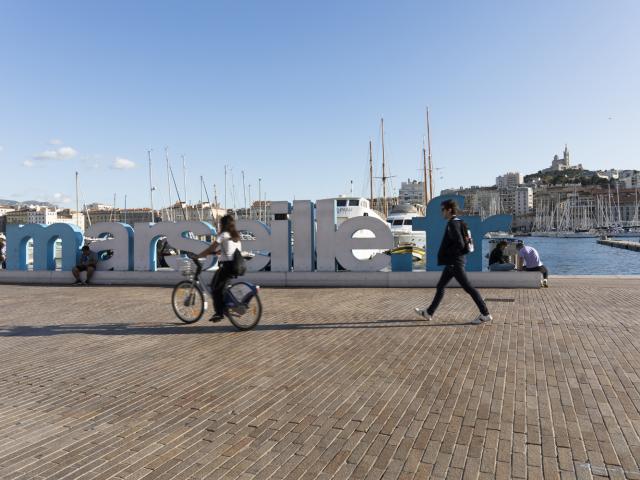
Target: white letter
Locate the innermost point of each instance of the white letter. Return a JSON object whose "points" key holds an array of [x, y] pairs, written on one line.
{"points": [[304, 236], [147, 235], [121, 244], [345, 243]]}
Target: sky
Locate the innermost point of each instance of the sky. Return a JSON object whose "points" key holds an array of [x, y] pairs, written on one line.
{"points": [[291, 92]]}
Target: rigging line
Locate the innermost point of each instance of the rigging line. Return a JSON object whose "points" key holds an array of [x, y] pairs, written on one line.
{"points": [[178, 193]]}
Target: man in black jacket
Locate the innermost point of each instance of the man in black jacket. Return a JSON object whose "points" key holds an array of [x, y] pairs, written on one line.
{"points": [[451, 255]]}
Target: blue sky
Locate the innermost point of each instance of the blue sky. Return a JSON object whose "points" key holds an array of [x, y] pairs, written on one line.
{"points": [[292, 91]]}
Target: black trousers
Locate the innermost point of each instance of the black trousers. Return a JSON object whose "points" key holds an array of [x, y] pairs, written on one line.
{"points": [[456, 271], [542, 269], [220, 280]]}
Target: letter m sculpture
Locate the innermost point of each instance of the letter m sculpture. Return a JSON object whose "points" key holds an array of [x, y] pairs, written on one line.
{"points": [[44, 238]]}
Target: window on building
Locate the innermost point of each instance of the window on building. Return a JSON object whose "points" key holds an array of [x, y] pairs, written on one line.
{"points": [[341, 203], [354, 203]]}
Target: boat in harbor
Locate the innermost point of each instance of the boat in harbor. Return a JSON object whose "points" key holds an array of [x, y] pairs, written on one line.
{"points": [[405, 239], [350, 207]]}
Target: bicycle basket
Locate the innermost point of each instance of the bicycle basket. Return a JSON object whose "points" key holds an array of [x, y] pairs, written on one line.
{"points": [[187, 268]]}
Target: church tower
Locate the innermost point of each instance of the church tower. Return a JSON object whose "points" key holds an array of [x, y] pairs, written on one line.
{"points": [[565, 156]]}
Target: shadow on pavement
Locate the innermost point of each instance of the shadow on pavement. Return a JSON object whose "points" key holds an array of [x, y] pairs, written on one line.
{"points": [[181, 329]]}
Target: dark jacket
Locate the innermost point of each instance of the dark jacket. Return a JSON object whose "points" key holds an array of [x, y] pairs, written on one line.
{"points": [[497, 256], [452, 245]]}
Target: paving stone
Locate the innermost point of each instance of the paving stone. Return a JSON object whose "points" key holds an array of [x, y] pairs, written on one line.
{"points": [[104, 382]]}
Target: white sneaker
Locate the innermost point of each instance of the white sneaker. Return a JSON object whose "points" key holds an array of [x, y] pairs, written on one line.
{"points": [[423, 313], [481, 319], [545, 284]]}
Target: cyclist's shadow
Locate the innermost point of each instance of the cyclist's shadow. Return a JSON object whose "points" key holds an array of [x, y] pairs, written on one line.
{"points": [[203, 328]]}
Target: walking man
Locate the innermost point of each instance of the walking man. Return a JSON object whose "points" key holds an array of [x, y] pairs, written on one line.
{"points": [[532, 262], [451, 254]]}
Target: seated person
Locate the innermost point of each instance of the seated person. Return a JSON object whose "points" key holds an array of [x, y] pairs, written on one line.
{"points": [[3, 253], [88, 262], [531, 259], [498, 261]]}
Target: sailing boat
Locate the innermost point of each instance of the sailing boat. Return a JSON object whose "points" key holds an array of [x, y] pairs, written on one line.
{"points": [[400, 218]]}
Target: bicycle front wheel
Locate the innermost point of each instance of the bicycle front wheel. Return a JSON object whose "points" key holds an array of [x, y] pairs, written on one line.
{"points": [[187, 301], [246, 311]]}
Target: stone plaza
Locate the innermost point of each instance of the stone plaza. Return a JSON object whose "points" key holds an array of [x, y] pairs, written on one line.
{"points": [[105, 382]]}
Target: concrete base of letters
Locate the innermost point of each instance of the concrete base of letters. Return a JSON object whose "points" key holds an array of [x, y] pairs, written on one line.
{"points": [[169, 278]]}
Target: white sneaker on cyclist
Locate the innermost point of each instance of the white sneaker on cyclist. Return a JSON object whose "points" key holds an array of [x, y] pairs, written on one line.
{"points": [[481, 319], [423, 313]]}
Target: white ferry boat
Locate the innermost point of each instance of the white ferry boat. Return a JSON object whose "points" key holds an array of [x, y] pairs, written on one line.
{"points": [[406, 240], [350, 207]]}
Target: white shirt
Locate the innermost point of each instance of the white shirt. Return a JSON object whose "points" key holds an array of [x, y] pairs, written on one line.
{"points": [[227, 247], [530, 256]]}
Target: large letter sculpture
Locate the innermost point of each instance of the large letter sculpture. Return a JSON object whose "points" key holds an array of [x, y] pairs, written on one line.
{"points": [[338, 244], [121, 244], [433, 224], [270, 244], [177, 233], [304, 236], [44, 238]]}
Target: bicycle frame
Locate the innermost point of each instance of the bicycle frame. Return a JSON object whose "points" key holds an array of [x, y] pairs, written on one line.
{"points": [[230, 299]]}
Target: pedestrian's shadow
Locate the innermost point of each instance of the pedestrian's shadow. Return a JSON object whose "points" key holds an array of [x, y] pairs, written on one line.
{"points": [[208, 328]]}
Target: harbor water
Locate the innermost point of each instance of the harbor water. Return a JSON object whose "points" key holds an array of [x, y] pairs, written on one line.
{"points": [[581, 256]]}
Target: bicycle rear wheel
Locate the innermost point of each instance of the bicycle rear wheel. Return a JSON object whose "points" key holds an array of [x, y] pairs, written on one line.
{"points": [[247, 312], [187, 301]]}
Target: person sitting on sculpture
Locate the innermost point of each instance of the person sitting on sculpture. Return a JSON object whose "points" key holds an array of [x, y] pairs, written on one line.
{"points": [[88, 262], [498, 261]]}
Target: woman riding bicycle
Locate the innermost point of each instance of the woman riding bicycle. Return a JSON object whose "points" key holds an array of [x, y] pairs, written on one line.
{"points": [[225, 245]]}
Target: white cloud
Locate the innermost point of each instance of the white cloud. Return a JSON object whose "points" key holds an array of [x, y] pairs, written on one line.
{"points": [[1, 148], [61, 198], [62, 153], [28, 163], [55, 141], [122, 164]]}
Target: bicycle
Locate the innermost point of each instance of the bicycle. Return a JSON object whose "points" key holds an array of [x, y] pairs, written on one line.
{"points": [[242, 305]]}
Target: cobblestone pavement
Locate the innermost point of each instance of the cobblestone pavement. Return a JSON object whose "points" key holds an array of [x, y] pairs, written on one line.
{"points": [[103, 382]]}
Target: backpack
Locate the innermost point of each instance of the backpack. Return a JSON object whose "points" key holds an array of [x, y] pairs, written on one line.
{"points": [[468, 239], [239, 265]]}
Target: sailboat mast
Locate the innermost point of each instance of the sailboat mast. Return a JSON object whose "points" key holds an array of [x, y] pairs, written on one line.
{"points": [[384, 175], [184, 180], [77, 203], [150, 187], [259, 199], [425, 191], [370, 175], [170, 207], [244, 194], [429, 158]]}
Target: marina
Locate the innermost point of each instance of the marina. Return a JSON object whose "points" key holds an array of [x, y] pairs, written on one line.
{"points": [[635, 246]]}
